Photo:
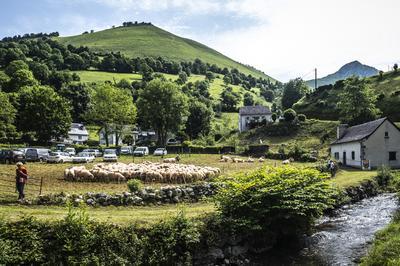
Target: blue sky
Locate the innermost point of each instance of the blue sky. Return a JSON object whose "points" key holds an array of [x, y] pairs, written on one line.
{"points": [[284, 38]]}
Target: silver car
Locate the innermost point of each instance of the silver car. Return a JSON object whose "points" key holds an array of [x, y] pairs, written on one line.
{"points": [[83, 157], [59, 157]]}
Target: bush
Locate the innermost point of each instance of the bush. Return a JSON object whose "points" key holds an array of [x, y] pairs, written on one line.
{"points": [[281, 199], [384, 176], [289, 115], [302, 118], [134, 185]]}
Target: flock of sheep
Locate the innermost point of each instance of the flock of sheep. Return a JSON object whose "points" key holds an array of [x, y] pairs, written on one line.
{"points": [[226, 159], [146, 171]]}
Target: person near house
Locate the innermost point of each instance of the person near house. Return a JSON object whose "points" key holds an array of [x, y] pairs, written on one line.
{"points": [[21, 179], [332, 168]]}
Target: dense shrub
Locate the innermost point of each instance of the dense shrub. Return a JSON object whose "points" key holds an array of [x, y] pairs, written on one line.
{"points": [[302, 117], [384, 175], [289, 115], [282, 199], [134, 185]]}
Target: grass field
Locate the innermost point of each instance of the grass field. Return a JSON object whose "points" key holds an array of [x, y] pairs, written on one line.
{"points": [[101, 76], [52, 182], [151, 41]]}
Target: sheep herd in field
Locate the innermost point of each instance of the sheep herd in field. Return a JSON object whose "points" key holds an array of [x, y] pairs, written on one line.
{"points": [[147, 171], [227, 159]]}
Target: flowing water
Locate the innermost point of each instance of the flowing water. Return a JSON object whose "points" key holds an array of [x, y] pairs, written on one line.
{"points": [[343, 238]]}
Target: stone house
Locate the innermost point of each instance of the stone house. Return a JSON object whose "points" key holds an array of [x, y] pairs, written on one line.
{"points": [[253, 115], [368, 145]]}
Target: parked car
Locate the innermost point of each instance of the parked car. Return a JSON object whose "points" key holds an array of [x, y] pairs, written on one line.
{"points": [[173, 142], [37, 154], [110, 155], [94, 152], [59, 157], [83, 157], [141, 151], [11, 156], [160, 152], [70, 151], [127, 150]]}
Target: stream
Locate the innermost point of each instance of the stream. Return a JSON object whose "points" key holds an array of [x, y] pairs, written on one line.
{"points": [[343, 238]]}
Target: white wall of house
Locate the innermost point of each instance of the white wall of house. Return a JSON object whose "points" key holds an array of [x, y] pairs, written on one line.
{"points": [[352, 150], [378, 147], [78, 138], [244, 120]]}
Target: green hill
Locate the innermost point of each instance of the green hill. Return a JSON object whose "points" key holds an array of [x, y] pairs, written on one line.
{"points": [[321, 103], [151, 41]]}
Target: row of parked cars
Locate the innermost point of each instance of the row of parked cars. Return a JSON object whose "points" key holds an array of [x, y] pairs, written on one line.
{"points": [[70, 155]]}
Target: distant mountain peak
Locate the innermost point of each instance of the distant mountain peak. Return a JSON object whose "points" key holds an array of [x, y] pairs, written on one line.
{"points": [[354, 68]]}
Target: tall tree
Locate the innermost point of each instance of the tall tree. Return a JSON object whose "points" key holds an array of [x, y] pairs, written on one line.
{"points": [[199, 119], [111, 108], [78, 97], [162, 106], [229, 100], [357, 102], [293, 91], [44, 113], [248, 99], [7, 117]]}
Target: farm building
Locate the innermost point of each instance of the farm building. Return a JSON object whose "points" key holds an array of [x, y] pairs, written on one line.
{"points": [[368, 145], [251, 116], [77, 134]]}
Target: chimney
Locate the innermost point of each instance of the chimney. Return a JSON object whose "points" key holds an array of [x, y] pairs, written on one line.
{"points": [[341, 130]]}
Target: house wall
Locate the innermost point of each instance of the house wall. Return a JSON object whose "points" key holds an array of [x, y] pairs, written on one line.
{"points": [[76, 139], [377, 147], [244, 118], [348, 148]]}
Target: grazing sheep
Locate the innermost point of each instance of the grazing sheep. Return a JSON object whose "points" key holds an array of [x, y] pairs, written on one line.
{"points": [[250, 160], [237, 160], [261, 159], [225, 159], [288, 161], [172, 160]]}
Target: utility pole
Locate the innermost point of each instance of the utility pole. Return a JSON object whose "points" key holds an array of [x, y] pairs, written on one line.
{"points": [[315, 80]]}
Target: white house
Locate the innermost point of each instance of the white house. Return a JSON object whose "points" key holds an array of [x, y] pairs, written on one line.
{"points": [[368, 145], [77, 134], [249, 115]]}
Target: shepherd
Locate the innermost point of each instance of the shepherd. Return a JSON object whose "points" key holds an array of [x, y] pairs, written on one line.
{"points": [[21, 179]]}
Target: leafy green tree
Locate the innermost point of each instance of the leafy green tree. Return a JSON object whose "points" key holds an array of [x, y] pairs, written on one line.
{"points": [[293, 91], [182, 78], [248, 99], [7, 117], [21, 78], [210, 76], [111, 108], [40, 71], [79, 97], [162, 106], [302, 117], [395, 67], [14, 66], [4, 80], [74, 62], [44, 113], [274, 117], [229, 100], [289, 115], [357, 102], [199, 119], [13, 54], [227, 79], [268, 95]]}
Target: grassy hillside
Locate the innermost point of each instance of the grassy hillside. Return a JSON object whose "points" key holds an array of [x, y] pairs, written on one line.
{"points": [[151, 41], [321, 104], [312, 135]]}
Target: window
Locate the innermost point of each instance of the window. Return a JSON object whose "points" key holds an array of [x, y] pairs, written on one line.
{"points": [[386, 135], [392, 156], [79, 137], [336, 155], [353, 155]]}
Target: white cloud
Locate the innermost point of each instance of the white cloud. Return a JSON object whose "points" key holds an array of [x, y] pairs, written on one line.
{"points": [[296, 36]]}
